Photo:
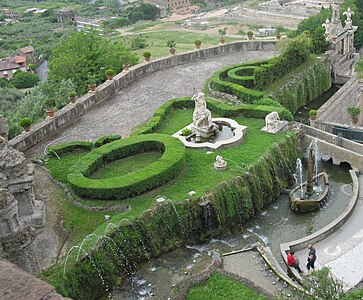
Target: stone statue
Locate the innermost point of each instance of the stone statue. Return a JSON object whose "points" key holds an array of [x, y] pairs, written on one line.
{"points": [[348, 22], [202, 117], [335, 14], [272, 120], [326, 25], [220, 164], [203, 127]]}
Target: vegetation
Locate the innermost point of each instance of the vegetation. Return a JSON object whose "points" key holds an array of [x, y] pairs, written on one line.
{"points": [[86, 54], [171, 44], [146, 54], [312, 113], [110, 72], [25, 122], [106, 139], [353, 112], [220, 287], [198, 42], [222, 32], [186, 132], [22, 80], [49, 104], [358, 68]]}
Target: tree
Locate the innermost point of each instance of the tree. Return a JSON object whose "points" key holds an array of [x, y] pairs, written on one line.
{"points": [[319, 44], [84, 54], [22, 80], [313, 22]]}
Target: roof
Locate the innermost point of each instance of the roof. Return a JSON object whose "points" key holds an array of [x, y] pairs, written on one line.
{"points": [[20, 59], [28, 49], [8, 63]]}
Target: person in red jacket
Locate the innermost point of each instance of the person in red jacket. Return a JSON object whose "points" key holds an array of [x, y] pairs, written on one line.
{"points": [[292, 261]]}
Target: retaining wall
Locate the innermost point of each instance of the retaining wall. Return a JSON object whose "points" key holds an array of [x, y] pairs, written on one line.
{"points": [[108, 89]]}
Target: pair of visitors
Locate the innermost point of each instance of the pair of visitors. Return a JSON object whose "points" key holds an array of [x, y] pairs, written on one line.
{"points": [[293, 261]]}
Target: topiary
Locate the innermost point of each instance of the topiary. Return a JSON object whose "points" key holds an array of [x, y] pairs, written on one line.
{"points": [[110, 72], [146, 54], [25, 122]]}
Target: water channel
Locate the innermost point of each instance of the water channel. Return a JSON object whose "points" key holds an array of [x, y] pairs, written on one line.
{"points": [[276, 224]]}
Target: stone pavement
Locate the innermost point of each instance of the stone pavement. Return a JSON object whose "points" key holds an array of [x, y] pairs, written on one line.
{"points": [[342, 251], [135, 104]]}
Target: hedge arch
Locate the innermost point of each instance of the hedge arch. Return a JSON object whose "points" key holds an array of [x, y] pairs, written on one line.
{"points": [[139, 181]]}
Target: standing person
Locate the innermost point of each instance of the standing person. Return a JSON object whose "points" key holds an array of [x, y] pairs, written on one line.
{"points": [[311, 258], [292, 261]]}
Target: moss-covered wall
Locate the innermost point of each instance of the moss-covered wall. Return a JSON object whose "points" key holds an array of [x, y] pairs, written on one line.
{"points": [[169, 225]]}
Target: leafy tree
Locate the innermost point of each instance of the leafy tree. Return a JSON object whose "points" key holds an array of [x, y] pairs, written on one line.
{"points": [[319, 44], [84, 54], [313, 22], [22, 80], [5, 83], [138, 42]]}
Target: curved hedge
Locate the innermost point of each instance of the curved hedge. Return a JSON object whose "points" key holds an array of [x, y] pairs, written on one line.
{"points": [[153, 175], [69, 147]]}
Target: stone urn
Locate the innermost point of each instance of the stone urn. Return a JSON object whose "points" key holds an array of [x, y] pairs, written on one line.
{"points": [[72, 97], [92, 87], [172, 51], [126, 67], [278, 36], [50, 112], [222, 41]]}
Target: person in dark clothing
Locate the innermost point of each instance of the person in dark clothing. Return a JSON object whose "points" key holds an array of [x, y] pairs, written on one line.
{"points": [[311, 258]]}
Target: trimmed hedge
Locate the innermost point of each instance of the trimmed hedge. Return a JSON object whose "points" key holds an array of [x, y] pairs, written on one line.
{"points": [[106, 139], [222, 109], [69, 147], [153, 175]]}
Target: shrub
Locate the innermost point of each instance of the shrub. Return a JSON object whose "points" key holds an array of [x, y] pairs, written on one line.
{"points": [[222, 32], [110, 72], [72, 94], [106, 139], [197, 42], [25, 122], [69, 147], [146, 54], [249, 33], [186, 132], [153, 175], [22, 80], [171, 44], [312, 113], [353, 112], [49, 103]]}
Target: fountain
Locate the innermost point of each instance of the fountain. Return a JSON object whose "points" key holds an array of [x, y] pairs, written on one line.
{"points": [[309, 195], [209, 133]]}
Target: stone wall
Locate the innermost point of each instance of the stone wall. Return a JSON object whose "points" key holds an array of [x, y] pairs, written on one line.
{"points": [[69, 113]]}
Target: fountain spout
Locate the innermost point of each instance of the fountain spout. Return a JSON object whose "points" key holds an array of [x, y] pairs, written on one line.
{"points": [[310, 173]]}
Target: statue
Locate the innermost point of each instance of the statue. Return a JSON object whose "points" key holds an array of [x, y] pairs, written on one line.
{"points": [[335, 14], [348, 22], [220, 164], [272, 120], [202, 117], [203, 127], [326, 25]]}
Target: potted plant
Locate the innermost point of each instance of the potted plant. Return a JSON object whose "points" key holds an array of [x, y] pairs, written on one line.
{"points": [[250, 35], [278, 35], [312, 114], [358, 68], [91, 83], [198, 43], [72, 96], [222, 33], [171, 44], [25, 123], [126, 67], [50, 107], [147, 56], [353, 112], [109, 73]]}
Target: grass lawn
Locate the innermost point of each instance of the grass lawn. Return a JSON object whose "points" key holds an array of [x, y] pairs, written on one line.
{"points": [[198, 174], [184, 41], [221, 287]]}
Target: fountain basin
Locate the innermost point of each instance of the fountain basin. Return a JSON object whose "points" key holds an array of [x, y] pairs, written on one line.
{"points": [[233, 137], [312, 202]]}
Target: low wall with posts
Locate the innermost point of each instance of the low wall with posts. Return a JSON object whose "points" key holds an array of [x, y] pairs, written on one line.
{"points": [[108, 89]]}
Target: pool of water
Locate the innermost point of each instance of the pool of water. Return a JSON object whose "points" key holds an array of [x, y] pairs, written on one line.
{"points": [[275, 225], [302, 115], [225, 133]]}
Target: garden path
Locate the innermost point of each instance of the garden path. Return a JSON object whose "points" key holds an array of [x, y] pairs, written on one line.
{"points": [[135, 104]]}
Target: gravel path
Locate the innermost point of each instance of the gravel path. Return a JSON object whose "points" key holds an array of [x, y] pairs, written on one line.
{"points": [[135, 104]]}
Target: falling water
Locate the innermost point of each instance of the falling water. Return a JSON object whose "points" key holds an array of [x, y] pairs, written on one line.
{"points": [[177, 215], [208, 216], [316, 160], [84, 240], [299, 177]]}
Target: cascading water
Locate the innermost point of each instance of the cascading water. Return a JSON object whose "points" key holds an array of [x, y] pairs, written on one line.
{"points": [[299, 177]]}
